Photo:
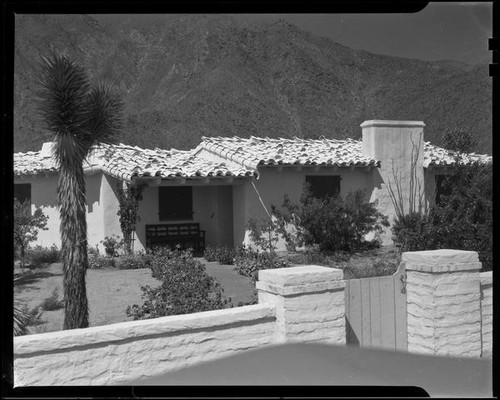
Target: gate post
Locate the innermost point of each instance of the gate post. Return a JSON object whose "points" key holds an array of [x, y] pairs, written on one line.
{"points": [[309, 301], [443, 301]]}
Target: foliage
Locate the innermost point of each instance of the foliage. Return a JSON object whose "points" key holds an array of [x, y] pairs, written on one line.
{"points": [[263, 233], [111, 245], [224, 255], [133, 261], [97, 261], [185, 288], [52, 302], [26, 227], [41, 255], [338, 223], [24, 318], [79, 115], [288, 223], [129, 198], [463, 219], [312, 255], [250, 262]]}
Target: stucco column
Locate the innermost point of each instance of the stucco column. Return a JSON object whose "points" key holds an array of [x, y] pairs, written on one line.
{"points": [[399, 146], [443, 301], [309, 303]]}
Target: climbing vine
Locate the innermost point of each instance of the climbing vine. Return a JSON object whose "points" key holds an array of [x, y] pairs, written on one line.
{"points": [[129, 198]]}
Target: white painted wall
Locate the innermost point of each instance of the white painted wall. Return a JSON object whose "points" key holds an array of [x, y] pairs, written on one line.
{"points": [[101, 207], [212, 207], [274, 184]]}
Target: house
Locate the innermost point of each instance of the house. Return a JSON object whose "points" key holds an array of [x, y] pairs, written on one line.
{"points": [[224, 181]]}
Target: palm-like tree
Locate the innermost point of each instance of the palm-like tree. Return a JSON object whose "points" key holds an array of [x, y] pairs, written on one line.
{"points": [[79, 115]]}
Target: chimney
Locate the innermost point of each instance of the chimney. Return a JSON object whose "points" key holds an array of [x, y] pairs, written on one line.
{"points": [[46, 151], [399, 145]]}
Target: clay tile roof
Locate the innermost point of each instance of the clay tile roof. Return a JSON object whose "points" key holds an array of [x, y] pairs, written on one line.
{"points": [[124, 162], [256, 151], [438, 156]]}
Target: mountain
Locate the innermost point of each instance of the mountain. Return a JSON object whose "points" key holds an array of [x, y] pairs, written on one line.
{"points": [[186, 76]]}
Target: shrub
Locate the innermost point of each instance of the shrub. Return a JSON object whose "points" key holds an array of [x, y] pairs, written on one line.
{"points": [[338, 223], [111, 245], [41, 255], [96, 261], [53, 302], [24, 318], [250, 262], [133, 261], [26, 227], [185, 288], [224, 255]]}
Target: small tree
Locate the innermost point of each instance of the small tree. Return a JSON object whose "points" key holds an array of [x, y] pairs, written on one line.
{"points": [[26, 227], [129, 198]]}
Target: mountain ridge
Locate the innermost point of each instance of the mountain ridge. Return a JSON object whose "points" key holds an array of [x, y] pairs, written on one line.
{"points": [[200, 75]]}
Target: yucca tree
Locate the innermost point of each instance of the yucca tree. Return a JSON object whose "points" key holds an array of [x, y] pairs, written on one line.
{"points": [[79, 115]]}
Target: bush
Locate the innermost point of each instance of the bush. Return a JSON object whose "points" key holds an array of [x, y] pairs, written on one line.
{"points": [[185, 288], [133, 261], [24, 318], [250, 262], [224, 255], [53, 302], [96, 261], [338, 223], [41, 255], [462, 220], [111, 245]]}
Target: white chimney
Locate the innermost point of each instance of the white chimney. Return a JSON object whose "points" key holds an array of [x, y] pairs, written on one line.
{"points": [[399, 145]]}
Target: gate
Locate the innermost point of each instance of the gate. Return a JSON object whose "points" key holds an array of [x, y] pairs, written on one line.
{"points": [[375, 310]]}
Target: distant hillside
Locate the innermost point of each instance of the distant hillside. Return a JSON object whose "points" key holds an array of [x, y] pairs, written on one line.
{"points": [[193, 75]]}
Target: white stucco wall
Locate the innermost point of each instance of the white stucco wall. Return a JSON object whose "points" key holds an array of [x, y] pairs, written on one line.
{"points": [[212, 207], [101, 208], [273, 184], [119, 353]]}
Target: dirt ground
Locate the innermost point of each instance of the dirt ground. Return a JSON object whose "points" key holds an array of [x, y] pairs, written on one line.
{"points": [[110, 291]]}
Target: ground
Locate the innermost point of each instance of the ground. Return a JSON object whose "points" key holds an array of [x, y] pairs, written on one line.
{"points": [[110, 290]]}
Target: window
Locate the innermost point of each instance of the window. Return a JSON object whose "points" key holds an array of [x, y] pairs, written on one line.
{"points": [[175, 203], [322, 186], [442, 188], [22, 192]]}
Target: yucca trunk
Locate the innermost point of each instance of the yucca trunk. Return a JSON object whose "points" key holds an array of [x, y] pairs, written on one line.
{"points": [[73, 229]]}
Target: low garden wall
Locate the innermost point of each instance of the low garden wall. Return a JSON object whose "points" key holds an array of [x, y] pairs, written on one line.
{"points": [[486, 313], [303, 304]]}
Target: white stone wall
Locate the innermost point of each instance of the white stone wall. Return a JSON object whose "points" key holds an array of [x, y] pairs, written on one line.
{"points": [[443, 302], [487, 313], [114, 354], [309, 300]]}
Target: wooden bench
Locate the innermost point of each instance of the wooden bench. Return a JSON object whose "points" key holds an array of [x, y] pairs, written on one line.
{"points": [[186, 235]]}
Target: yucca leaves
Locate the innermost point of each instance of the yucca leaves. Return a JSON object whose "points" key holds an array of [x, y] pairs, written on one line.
{"points": [[79, 115]]}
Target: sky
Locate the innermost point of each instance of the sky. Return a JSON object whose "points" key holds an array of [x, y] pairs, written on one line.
{"points": [[441, 31]]}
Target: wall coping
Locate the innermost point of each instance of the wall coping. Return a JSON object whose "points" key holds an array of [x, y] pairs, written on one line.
{"points": [[473, 266], [300, 276], [439, 257], [391, 124], [486, 278], [299, 289], [57, 341]]}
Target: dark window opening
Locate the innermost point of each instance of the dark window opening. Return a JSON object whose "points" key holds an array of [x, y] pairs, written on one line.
{"points": [[322, 186], [175, 203], [443, 188], [22, 192]]}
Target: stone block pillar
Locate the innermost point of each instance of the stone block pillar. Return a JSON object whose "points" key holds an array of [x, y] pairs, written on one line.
{"points": [[309, 301], [443, 301]]}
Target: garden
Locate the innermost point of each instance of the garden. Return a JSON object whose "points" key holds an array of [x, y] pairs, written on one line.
{"points": [[333, 231]]}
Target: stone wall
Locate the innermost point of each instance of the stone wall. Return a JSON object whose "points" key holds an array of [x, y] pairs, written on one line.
{"points": [[108, 355], [296, 304], [486, 313], [443, 302]]}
